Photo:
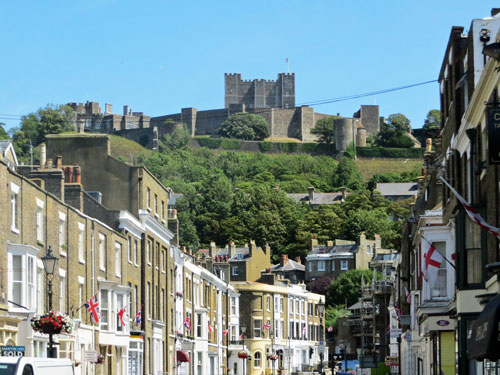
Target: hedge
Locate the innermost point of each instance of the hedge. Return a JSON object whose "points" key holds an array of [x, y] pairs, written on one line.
{"points": [[385, 152], [266, 146], [209, 142], [230, 144], [288, 147]]}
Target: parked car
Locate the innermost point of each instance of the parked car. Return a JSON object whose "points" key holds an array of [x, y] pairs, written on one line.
{"points": [[35, 366]]}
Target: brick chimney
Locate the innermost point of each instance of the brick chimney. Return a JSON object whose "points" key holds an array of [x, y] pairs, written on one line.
{"points": [[211, 249], [232, 249], [283, 260]]}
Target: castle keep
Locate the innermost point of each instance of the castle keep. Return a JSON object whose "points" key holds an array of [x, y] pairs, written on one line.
{"points": [[260, 93]]}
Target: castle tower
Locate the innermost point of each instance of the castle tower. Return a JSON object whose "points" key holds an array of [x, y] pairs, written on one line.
{"points": [[260, 93], [345, 133]]}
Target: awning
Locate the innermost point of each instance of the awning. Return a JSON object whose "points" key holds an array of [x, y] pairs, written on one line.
{"points": [[485, 341], [182, 356]]}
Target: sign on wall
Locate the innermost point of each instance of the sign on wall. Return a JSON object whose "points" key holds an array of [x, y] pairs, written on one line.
{"points": [[493, 121], [12, 351]]}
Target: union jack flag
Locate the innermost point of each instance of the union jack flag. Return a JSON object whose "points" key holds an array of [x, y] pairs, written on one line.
{"points": [[138, 317], [187, 322], [267, 326], [92, 306]]}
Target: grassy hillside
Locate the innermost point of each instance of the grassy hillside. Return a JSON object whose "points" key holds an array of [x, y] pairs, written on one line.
{"points": [[372, 166], [127, 150]]}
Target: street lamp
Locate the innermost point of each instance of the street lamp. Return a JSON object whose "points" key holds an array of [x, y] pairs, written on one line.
{"points": [[243, 330], [321, 311], [49, 265]]}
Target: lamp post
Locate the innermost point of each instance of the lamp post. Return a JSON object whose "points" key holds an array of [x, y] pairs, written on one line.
{"points": [[243, 330], [321, 311], [49, 265]]}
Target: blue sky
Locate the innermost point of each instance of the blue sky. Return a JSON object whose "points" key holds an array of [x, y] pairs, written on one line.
{"points": [[160, 56]]}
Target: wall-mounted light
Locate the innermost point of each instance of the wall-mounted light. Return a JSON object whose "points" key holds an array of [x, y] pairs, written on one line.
{"points": [[484, 35]]}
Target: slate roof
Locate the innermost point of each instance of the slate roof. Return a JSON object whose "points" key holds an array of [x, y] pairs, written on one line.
{"points": [[241, 253], [380, 257], [408, 189], [336, 249], [3, 145], [291, 265], [318, 198]]}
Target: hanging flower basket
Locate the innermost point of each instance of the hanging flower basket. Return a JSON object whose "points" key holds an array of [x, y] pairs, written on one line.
{"points": [[52, 323], [243, 354], [272, 357]]}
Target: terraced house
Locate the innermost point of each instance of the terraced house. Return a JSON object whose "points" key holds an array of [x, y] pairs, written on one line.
{"points": [[117, 242]]}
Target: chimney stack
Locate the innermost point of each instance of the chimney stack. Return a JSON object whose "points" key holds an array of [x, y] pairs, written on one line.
{"points": [[58, 161], [428, 145], [211, 249], [232, 249], [343, 191], [125, 110], [108, 109], [43, 155], [311, 193], [283, 260]]}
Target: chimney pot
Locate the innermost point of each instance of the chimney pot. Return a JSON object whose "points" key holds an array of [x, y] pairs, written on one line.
{"points": [[58, 161], [43, 155]]}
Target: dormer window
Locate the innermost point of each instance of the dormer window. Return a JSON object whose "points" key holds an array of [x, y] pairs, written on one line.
{"points": [[240, 256]]}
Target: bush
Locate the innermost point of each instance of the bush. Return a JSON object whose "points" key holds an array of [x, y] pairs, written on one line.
{"points": [[386, 152], [288, 147], [246, 126], [266, 146]]}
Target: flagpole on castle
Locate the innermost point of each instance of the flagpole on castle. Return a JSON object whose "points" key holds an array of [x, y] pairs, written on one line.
{"points": [[288, 65]]}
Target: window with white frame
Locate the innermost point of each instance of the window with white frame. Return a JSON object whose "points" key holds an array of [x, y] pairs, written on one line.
{"points": [[121, 304], [105, 310], [102, 252], [321, 265], [257, 359], [291, 305], [333, 265], [149, 247], [136, 253], [276, 328], [129, 249], [344, 265], [235, 270], [62, 233], [257, 328], [81, 242], [135, 356], [118, 258], [40, 288], [39, 220], [23, 277], [281, 304], [233, 305], [199, 327], [62, 290], [81, 295], [148, 198], [163, 260], [233, 333], [310, 265], [14, 192], [368, 249]]}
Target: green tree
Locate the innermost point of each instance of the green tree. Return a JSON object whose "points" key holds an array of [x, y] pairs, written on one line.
{"points": [[347, 175], [433, 119], [179, 139], [332, 314], [49, 120], [3, 132], [347, 287], [393, 132], [322, 223], [246, 126], [324, 129]]}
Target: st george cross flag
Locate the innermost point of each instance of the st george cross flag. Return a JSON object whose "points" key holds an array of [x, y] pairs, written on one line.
{"points": [[122, 312], [430, 265], [225, 332], [187, 322], [267, 326], [473, 214], [92, 306], [210, 328]]}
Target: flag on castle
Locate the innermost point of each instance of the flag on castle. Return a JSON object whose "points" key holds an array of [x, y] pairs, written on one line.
{"points": [[121, 313], [187, 322], [431, 264], [138, 317], [92, 306]]}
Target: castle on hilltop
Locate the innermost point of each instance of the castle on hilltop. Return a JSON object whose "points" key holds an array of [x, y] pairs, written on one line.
{"points": [[274, 100]]}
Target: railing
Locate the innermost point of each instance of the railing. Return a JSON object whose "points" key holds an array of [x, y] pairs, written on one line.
{"points": [[236, 342]]}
